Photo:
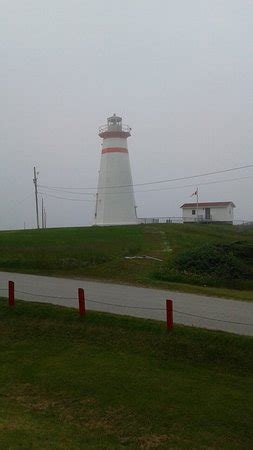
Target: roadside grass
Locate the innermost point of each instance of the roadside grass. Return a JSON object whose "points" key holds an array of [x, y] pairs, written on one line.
{"points": [[224, 293], [111, 382], [100, 252]]}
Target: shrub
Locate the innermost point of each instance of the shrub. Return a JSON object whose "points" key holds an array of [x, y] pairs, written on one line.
{"points": [[210, 264], [218, 260]]}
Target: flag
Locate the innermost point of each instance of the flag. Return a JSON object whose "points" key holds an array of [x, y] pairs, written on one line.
{"points": [[195, 193]]}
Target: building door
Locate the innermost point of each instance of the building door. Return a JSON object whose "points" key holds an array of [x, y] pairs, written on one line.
{"points": [[207, 214]]}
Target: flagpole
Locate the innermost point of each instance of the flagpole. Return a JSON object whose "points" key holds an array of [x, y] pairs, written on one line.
{"points": [[197, 205]]}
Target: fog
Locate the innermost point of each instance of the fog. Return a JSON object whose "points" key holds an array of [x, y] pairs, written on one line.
{"points": [[178, 72]]}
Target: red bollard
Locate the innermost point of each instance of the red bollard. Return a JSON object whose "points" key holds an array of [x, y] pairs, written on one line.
{"points": [[11, 293], [169, 314], [81, 298]]}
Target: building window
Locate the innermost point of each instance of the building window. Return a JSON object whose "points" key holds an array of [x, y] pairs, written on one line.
{"points": [[193, 212]]}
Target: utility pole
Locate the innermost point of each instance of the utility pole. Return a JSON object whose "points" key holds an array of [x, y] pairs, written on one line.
{"points": [[197, 191], [35, 180], [42, 214]]}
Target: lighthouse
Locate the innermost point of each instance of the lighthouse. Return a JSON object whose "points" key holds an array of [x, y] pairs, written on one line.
{"points": [[115, 204]]}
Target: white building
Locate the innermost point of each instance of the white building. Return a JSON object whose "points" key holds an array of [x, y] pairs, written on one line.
{"points": [[208, 212], [115, 204]]}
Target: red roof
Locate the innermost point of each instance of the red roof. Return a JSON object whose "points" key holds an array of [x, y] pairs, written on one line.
{"points": [[208, 204]]}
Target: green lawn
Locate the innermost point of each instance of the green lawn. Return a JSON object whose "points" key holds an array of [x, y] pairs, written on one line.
{"points": [[110, 382], [99, 252]]}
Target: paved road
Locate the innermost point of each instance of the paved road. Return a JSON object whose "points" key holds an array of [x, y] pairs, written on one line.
{"points": [[132, 301]]}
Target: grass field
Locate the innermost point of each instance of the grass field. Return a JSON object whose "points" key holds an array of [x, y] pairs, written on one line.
{"points": [[110, 382], [94, 252]]}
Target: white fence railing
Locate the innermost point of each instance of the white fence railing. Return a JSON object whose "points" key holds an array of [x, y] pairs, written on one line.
{"points": [[172, 219], [105, 128], [201, 219]]}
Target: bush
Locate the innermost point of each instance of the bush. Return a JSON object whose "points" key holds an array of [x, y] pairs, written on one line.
{"points": [[214, 259], [210, 264], [244, 250]]}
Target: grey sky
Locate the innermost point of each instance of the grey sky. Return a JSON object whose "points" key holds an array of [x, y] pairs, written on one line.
{"points": [[178, 72]]}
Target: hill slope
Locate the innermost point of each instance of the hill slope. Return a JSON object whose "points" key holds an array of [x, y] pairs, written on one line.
{"points": [[102, 253]]}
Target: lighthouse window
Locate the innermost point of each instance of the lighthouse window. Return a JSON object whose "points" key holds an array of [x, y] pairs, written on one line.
{"points": [[193, 212]]}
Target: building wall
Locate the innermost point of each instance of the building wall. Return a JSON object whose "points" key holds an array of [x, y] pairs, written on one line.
{"points": [[114, 142], [115, 206], [218, 214]]}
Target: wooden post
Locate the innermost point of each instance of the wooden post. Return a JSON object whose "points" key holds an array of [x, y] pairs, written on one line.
{"points": [[81, 299], [11, 293], [169, 314]]}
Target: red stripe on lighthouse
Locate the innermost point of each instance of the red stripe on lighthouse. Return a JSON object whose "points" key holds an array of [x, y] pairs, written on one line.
{"points": [[114, 150]]}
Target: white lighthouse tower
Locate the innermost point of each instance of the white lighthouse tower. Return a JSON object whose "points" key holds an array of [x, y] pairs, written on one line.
{"points": [[115, 204]]}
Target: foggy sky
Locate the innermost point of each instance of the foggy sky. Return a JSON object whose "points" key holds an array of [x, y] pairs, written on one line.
{"points": [[178, 72]]}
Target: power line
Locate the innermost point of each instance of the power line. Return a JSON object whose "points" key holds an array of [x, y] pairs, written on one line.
{"points": [[161, 189], [66, 198], [196, 176], [19, 202], [231, 169], [65, 191], [199, 184]]}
